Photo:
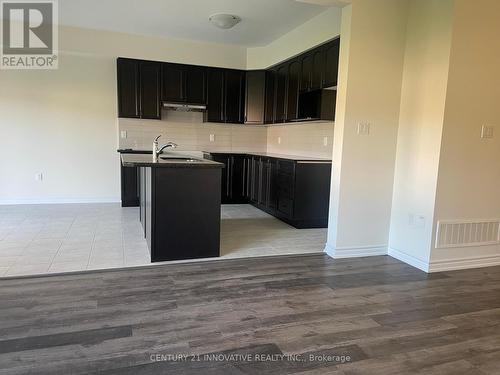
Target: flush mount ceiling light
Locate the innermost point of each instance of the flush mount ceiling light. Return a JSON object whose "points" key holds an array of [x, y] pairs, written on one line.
{"points": [[224, 21]]}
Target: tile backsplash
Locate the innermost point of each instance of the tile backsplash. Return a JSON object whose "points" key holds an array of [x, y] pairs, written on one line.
{"points": [[188, 130]]}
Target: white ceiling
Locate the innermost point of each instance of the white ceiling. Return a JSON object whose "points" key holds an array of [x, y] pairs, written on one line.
{"points": [[262, 20]]}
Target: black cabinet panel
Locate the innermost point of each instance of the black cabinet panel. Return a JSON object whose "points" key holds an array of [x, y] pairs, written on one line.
{"points": [[281, 93], [173, 82], [269, 99], [255, 96], [195, 85], [306, 72], [292, 112], [215, 96], [331, 63], [128, 88], [234, 94], [129, 186], [150, 90], [318, 69], [233, 179]]}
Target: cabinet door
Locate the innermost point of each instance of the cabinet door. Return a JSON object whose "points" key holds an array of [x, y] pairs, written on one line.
{"points": [[255, 96], [255, 179], [273, 190], [269, 100], [225, 182], [173, 82], [293, 91], [195, 85], [318, 69], [234, 93], [280, 96], [150, 90], [306, 72], [331, 63], [129, 186], [215, 96], [128, 88], [238, 178]]}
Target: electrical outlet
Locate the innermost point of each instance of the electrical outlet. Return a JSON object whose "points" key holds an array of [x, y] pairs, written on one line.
{"points": [[364, 128], [39, 176], [123, 134], [325, 141], [487, 131], [279, 140], [212, 137]]}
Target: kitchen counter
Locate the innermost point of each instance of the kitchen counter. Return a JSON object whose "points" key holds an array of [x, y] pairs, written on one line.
{"points": [[273, 155], [145, 160]]}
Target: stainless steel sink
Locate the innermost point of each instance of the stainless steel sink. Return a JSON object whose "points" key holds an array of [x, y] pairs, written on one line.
{"points": [[187, 160]]}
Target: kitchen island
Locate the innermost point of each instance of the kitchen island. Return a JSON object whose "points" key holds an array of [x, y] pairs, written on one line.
{"points": [[180, 197]]}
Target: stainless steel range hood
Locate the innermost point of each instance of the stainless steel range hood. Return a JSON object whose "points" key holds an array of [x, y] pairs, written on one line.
{"points": [[185, 107]]}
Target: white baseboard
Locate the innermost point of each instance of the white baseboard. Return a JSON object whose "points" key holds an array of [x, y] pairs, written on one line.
{"points": [[464, 263], [409, 259], [355, 252], [5, 202]]}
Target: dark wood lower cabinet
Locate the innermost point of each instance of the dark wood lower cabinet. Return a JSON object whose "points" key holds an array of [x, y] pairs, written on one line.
{"points": [[129, 177], [297, 192]]}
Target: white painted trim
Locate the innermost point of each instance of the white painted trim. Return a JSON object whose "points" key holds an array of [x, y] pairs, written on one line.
{"points": [[355, 251], [464, 263], [409, 259], [4, 202]]}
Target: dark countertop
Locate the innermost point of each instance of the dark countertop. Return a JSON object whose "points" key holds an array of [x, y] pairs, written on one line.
{"points": [[145, 160], [276, 156], [264, 154]]}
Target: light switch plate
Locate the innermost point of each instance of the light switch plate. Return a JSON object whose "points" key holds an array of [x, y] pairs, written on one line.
{"points": [[325, 141], [123, 134], [487, 131], [212, 137], [279, 140]]}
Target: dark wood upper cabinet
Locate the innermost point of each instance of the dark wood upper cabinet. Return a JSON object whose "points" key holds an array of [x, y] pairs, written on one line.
{"points": [[173, 82], [215, 95], [317, 76], [234, 94], [255, 88], [195, 85], [294, 72], [128, 88], [280, 98], [150, 90], [306, 72], [332, 50], [269, 97]]}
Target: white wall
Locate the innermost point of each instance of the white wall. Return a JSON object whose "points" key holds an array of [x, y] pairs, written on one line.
{"points": [[371, 65], [425, 79], [469, 167], [63, 123], [315, 31]]}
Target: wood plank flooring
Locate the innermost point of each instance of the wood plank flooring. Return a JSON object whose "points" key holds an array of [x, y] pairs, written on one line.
{"points": [[279, 315]]}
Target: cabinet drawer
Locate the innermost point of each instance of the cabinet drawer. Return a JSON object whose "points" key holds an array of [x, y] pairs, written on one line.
{"points": [[285, 206], [286, 167]]}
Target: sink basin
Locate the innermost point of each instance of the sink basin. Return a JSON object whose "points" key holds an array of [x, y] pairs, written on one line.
{"points": [[187, 160]]}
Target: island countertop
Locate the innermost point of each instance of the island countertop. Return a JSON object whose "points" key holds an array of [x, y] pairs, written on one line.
{"points": [[173, 161]]}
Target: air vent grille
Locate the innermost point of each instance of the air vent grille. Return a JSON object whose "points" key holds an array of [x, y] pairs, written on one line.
{"points": [[467, 233]]}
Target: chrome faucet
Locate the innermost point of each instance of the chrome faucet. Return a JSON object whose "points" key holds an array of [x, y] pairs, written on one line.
{"points": [[158, 150]]}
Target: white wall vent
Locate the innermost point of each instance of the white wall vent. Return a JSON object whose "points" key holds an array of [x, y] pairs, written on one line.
{"points": [[460, 233]]}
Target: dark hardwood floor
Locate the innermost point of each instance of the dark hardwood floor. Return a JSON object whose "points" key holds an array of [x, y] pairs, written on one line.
{"points": [[282, 315]]}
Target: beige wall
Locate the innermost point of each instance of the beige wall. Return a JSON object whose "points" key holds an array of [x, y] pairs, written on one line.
{"points": [[63, 123], [317, 30], [469, 170], [372, 51], [425, 79]]}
